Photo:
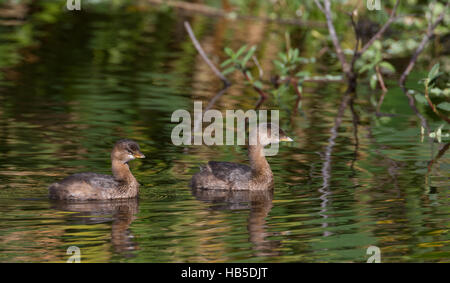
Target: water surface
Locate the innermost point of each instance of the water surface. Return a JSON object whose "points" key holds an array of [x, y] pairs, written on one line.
{"points": [[71, 85]]}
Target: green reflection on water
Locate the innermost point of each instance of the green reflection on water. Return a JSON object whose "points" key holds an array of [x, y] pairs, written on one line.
{"points": [[71, 85]]}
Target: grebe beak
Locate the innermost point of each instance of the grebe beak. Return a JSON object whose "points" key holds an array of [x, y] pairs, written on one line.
{"points": [[286, 139], [139, 155]]}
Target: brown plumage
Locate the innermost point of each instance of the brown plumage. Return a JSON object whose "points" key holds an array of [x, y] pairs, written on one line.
{"points": [[233, 176], [92, 186]]}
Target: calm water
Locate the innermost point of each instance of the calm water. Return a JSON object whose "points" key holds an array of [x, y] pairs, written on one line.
{"points": [[71, 84]]}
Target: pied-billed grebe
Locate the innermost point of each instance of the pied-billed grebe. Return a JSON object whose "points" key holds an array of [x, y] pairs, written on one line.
{"points": [[233, 176], [92, 186]]}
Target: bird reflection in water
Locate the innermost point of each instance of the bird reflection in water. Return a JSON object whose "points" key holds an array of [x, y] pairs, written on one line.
{"points": [[120, 212], [258, 202]]}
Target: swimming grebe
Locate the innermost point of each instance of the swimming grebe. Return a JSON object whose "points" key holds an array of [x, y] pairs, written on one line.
{"points": [[233, 176], [92, 186]]}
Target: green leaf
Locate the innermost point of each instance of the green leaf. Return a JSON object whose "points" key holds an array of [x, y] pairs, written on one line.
{"points": [[248, 55], [373, 81], [229, 51], [228, 70], [303, 74], [283, 57], [226, 62], [420, 98], [378, 57], [365, 68], [279, 65], [444, 106], [241, 50], [433, 72], [258, 84], [388, 66], [296, 52], [249, 75], [436, 91], [377, 44]]}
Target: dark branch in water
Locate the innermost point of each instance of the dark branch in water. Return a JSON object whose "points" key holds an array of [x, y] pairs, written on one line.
{"points": [[439, 155], [326, 168], [198, 122], [202, 53]]}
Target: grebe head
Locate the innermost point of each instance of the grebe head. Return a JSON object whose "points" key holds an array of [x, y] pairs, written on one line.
{"points": [[270, 133], [126, 150]]}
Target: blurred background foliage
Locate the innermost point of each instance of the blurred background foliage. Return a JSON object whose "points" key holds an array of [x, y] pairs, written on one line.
{"points": [[73, 82]]}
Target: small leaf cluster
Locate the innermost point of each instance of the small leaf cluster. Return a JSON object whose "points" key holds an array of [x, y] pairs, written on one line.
{"points": [[289, 63], [238, 61], [372, 59], [432, 88]]}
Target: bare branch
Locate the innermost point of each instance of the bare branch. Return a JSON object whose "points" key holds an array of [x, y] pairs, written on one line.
{"points": [[392, 17], [202, 53], [439, 155], [358, 38], [214, 12], [319, 6], [428, 35], [433, 107], [260, 70], [383, 88], [334, 38], [380, 79]]}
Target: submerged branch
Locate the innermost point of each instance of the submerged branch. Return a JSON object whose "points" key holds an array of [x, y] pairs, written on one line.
{"points": [[439, 155]]}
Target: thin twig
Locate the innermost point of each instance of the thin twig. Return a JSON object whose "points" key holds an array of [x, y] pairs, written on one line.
{"points": [[347, 68], [262, 94], [358, 37], [380, 78], [308, 80], [320, 6], [383, 88], [260, 70], [380, 32], [334, 38], [439, 155], [428, 35], [299, 95], [198, 122], [412, 104], [433, 107], [214, 12], [202, 53]]}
